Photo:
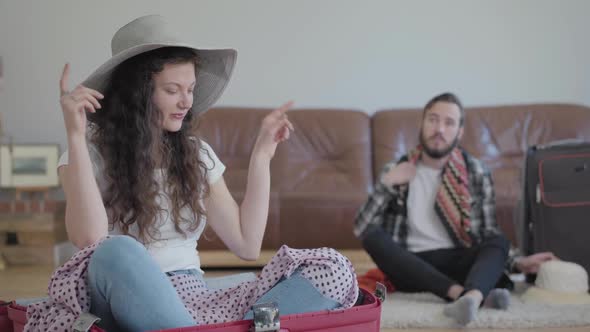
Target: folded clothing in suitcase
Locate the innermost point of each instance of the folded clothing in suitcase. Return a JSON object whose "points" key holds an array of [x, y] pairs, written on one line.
{"points": [[363, 317], [556, 213]]}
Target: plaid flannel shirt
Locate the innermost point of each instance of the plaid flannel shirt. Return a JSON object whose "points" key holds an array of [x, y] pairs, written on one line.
{"points": [[386, 207]]}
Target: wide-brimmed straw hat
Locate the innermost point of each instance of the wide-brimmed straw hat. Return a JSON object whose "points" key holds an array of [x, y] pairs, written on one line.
{"points": [[154, 31], [559, 282]]}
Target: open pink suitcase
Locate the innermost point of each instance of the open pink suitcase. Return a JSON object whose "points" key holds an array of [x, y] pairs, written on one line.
{"points": [[5, 323], [362, 318]]}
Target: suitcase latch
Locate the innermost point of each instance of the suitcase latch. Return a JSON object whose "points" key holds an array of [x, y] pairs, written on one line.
{"points": [[84, 322], [380, 292], [266, 317]]}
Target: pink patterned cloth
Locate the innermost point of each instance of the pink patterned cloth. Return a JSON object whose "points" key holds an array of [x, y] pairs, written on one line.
{"points": [[330, 272]]}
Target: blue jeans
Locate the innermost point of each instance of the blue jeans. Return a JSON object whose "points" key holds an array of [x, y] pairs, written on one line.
{"points": [[129, 291]]}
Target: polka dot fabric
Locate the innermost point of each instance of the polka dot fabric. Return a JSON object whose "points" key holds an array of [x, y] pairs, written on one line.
{"points": [[330, 272], [68, 296]]}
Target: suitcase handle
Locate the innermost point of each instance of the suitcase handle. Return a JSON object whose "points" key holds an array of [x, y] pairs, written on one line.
{"points": [[563, 142]]}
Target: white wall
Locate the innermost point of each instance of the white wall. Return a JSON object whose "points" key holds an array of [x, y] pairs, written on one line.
{"points": [[330, 53]]}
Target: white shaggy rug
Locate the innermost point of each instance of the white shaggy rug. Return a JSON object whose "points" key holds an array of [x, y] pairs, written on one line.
{"points": [[424, 310]]}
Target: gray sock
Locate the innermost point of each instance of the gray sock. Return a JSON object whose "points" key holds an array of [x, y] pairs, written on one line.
{"points": [[499, 298], [462, 310]]}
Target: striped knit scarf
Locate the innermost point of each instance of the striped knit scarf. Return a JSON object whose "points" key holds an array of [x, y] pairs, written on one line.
{"points": [[453, 200]]}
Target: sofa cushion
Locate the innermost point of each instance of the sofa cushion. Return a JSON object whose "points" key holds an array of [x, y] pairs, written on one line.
{"points": [[319, 178], [320, 219], [329, 151], [323, 175], [210, 241], [232, 132]]}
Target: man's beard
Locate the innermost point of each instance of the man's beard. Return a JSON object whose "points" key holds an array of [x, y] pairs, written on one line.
{"points": [[438, 154]]}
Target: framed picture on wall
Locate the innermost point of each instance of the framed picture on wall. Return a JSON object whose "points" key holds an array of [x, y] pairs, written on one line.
{"points": [[28, 165]]}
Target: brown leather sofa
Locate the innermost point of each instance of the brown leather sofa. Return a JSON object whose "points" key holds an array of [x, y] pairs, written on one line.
{"points": [[323, 174], [498, 135], [319, 178]]}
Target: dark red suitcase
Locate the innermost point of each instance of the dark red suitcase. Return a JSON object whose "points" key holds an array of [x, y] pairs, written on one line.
{"points": [[5, 322], [365, 317], [557, 201]]}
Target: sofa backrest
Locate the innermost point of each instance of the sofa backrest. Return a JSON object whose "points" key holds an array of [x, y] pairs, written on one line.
{"points": [[500, 136], [497, 135], [232, 132], [330, 150], [394, 133], [335, 153]]}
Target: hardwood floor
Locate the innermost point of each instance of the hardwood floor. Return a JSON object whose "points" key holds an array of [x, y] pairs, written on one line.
{"points": [[32, 281], [24, 282]]}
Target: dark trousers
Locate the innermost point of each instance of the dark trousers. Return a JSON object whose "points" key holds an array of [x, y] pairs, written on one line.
{"points": [[479, 267]]}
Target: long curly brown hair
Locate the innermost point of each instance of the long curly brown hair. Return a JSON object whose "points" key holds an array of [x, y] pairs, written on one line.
{"points": [[128, 134]]}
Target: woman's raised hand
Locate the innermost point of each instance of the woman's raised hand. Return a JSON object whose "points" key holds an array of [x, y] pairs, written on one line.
{"points": [[275, 128], [76, 103]]}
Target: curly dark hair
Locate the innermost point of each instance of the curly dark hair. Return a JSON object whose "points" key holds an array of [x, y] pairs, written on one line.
{"points": [[128, 134], [447, 97]]}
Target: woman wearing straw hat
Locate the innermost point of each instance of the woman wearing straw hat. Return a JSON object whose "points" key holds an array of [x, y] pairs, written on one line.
{"points": [[138, 170]]}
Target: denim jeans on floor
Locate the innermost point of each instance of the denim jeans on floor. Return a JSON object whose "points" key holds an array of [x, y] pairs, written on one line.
{"points": [[129, 292]]}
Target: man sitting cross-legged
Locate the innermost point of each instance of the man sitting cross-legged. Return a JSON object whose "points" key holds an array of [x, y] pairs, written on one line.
{"points": [[430, 223]]}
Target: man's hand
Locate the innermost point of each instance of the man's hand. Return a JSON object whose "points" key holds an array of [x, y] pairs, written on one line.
{"points": [[530, 264], [400, 174]]}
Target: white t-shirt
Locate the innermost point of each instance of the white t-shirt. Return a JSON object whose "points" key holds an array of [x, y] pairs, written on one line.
{"points": [[172, 251], [425, 229]]}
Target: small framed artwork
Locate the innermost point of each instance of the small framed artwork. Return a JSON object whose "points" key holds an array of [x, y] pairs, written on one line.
{"points": [[29, 165]]}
